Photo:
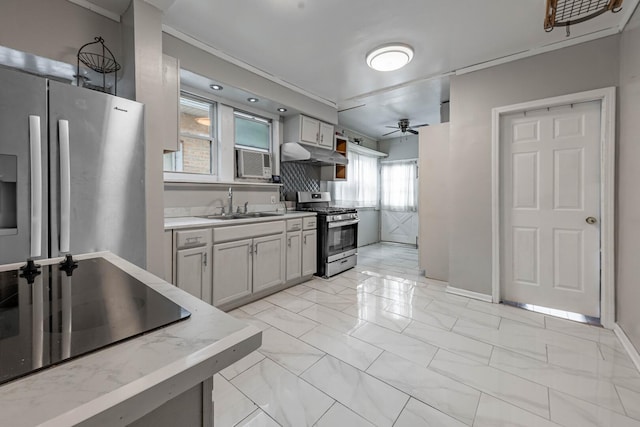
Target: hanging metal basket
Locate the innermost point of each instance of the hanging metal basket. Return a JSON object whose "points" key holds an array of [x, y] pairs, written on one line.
{"points": [[565, 13], [102, 62]]}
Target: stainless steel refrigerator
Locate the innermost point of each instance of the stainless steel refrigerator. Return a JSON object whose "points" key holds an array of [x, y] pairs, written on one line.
{"points": [[71, 171]]}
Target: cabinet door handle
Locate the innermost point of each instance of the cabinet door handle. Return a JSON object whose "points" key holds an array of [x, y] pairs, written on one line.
{"points": [[305, 240], [250, 249], [317, 136], [289, 242], [205, 260]]}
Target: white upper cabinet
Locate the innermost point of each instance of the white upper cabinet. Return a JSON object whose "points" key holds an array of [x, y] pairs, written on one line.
{"points": [[308, 131], [326, 135]]}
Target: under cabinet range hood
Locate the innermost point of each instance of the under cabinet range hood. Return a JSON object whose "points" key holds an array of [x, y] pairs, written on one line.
{"points": [[295, 152]]}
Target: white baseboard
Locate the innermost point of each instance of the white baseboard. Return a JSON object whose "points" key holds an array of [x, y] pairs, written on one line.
{"points": [[469, 294], [628, 345], [437, 281]]}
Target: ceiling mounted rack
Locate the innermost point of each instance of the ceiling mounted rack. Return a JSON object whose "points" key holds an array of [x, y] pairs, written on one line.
{"points": [[564, 13]]}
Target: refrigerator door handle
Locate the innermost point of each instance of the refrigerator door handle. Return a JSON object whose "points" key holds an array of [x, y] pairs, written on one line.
{"points": [[35, 146], [65, 185]]}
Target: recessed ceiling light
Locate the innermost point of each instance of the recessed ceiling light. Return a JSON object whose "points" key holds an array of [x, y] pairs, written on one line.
{"points": [[390, 57], [252, 99], [282, 110], [216, 87]]}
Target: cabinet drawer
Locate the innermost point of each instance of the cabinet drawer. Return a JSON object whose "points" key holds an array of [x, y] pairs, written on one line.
{"points": [[294, 224], [309, 223], [237, 232], [191, 238]]}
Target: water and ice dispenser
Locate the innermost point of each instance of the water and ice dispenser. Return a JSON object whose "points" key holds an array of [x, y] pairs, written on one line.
{"points": [[8, 196]]}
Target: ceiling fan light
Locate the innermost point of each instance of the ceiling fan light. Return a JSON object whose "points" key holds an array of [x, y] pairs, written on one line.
{"points": [[390, 57]]}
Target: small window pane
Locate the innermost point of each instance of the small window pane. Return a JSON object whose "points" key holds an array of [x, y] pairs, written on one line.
{"points": [[195, 117], [253, 132], [196, 155], [198, 147]]}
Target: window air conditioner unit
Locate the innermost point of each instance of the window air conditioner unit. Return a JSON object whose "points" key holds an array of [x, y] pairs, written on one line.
{"points": [[253, 164]]}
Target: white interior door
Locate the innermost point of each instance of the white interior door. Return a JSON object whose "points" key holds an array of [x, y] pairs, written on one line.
{"points": [[550, 213]]}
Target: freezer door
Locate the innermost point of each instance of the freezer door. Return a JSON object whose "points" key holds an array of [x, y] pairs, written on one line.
{"points": [[97, 163], [23, 154]]}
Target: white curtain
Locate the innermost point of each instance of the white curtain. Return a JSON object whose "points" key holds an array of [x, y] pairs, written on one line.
{"points": [[399, 190], [361, 187]]}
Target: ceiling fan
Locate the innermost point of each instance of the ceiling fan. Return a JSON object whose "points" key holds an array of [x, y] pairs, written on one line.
{"points": [[404, 127]]}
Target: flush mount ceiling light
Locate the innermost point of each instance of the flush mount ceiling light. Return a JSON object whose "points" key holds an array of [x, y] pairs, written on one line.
{"points": [[282, 110], [390, 57], [252, 99], [216, 87]]}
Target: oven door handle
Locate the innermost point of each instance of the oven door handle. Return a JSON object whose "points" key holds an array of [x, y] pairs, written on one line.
{"points": [[343, 223]]}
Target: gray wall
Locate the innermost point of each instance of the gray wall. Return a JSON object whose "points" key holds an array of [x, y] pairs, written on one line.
{"points": [[578, 68], [628, 209], [433, 243], [365, 141], [368, 227], [404, 147], [142, 26], [202, 63], [183, 199], [54, 29]]}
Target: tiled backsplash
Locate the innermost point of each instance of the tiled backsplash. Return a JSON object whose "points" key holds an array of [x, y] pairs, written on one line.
{"points": [[299, 177]]}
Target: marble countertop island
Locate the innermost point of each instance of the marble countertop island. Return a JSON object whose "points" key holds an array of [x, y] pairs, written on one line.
{"points": [[127, 383]]}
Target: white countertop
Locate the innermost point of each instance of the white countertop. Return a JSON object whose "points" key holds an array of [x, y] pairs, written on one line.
{"points": [[118, 384], [193, 221]]}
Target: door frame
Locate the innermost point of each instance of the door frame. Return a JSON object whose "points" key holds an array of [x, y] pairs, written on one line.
{"points": [[607, 98], [416, 212]]}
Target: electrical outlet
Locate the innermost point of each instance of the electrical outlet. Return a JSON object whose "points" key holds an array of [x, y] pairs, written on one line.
{"points": [[273, 199]]}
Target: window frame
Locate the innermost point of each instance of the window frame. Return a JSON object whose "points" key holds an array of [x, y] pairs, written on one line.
{"points": [[411, 187], [351, 183], [175, 176], [246, 115]]}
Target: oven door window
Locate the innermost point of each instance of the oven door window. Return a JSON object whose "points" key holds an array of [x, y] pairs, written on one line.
{"points": [[341, 239]]}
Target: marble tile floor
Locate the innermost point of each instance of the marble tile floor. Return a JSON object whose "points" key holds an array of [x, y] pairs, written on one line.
{"points": [[379, 345]]}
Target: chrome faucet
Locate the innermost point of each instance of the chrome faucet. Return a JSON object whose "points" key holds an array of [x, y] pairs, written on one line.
{"points": [[230, 197]]}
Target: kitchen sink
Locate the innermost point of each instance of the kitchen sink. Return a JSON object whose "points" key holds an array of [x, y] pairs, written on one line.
{"points": [[259, 214], [242, 215]]}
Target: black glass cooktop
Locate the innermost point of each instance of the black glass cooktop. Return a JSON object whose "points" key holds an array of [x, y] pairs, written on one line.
{"points": [[64, 315]]}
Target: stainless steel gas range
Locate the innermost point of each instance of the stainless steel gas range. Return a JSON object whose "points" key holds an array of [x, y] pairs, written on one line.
{"points": [[337, 233]]}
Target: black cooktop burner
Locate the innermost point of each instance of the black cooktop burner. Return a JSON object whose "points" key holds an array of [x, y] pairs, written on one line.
{"points": [[65, 314]]}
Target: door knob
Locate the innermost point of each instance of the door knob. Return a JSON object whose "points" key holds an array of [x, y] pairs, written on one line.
{"points": [[591, 220]]}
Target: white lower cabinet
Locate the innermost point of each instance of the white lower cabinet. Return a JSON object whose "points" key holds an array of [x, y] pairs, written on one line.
{"points": [[301, 248], [225, 266], [268, 262], [193, 263], [233, 270], [309, 252], [294, 252], [247, 266]]}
